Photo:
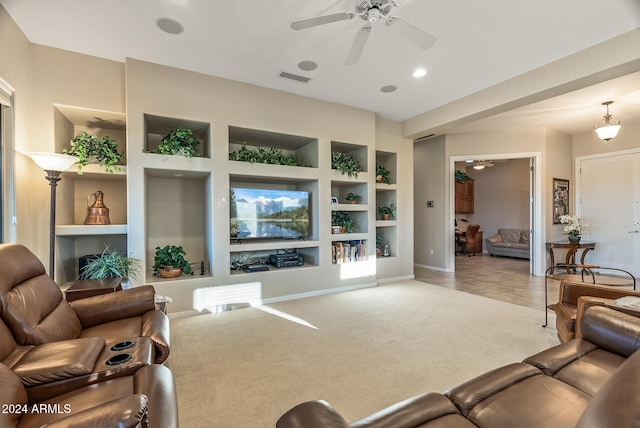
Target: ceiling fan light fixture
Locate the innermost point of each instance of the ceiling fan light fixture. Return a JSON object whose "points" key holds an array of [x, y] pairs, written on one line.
{"points": [[609, 129], [478, 167]]}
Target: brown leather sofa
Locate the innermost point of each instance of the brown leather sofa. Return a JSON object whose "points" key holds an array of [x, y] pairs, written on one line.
{"points": [[567, 307], [588, 382], [144, 399], [36, 312]]}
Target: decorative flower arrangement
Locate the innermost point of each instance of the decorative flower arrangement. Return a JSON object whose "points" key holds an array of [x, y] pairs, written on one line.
{"points": [[573, 226]]}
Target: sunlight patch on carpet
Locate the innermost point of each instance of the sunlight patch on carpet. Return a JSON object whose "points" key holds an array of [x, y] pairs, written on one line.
{"points": [[285, 316]]}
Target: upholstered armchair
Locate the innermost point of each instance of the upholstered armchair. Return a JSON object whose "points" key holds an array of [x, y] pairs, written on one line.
{"points": [[144, 399], [36, 312], [466, 241]]}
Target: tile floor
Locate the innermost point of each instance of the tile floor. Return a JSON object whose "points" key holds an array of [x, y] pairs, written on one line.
{"points": [[500, 278]]}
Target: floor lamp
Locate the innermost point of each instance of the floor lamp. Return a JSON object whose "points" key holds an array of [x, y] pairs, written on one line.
{"points": [[53, 164]]}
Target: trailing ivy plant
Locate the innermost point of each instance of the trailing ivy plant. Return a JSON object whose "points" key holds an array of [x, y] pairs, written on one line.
{"points": [[104, 150], [462, 176], [345, 164], [268, 155], [179, 141]]}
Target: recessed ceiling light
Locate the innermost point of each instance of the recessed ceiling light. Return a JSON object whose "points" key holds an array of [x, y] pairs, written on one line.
{"points": [[388, 88], [307, 65], [469, 161], [420, 72], [169, 25]]}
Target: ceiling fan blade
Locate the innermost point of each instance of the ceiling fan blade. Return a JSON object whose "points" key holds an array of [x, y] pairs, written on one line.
{"points": [[358, 45], [321, 20], [414, 34]]}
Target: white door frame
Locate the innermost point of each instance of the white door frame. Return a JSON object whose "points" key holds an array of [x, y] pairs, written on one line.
{"points": [[538, 236]]}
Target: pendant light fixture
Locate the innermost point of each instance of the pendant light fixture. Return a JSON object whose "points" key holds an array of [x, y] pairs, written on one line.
{"points": [[610, 129]]}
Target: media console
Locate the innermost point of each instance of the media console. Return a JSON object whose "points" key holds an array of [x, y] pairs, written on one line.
{"points": [[282, 260]]}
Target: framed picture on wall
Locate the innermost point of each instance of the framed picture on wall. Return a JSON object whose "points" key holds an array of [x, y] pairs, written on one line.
{"points": [[560, 198]]}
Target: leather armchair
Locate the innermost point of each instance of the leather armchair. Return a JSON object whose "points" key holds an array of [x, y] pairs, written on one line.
{"points": [[567, 307], [36, 312], [145, 399]]}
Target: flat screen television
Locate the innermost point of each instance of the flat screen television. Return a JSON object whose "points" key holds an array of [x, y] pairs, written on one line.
{"points": [[269, 213]]}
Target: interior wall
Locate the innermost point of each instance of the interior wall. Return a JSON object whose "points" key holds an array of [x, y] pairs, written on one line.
{"points": [[558, 164], [388, 138], [430, 173], [15, 70]]}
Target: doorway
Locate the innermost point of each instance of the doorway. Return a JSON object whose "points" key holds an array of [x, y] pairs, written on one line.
{"points": [[532, 210]]}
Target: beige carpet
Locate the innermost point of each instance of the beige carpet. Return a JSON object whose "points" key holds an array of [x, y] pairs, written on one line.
{"points": [[364, 350]]}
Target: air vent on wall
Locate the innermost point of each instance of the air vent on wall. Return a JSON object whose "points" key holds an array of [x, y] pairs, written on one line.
{"points": [[295, 77]]}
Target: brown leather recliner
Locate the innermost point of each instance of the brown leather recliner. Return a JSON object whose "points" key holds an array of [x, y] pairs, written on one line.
{"points": [[570, 292], [53, 368], [588, 382], [145, 399], [36, 312]]}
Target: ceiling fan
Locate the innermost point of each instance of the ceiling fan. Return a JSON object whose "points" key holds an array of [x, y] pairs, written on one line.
{"points": [[371, 11], [480, 164]]}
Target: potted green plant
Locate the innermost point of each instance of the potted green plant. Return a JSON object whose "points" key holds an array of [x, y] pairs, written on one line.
{"points": [[179, 141], [170, 262], [345, 164], [112, 264], [89, 147], [352, 198], [461, 177], [386, 211], [269, 155], [383, 175], [342, 222]]}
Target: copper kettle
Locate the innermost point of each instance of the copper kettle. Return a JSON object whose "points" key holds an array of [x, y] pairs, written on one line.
{"points": [[97, 213]]}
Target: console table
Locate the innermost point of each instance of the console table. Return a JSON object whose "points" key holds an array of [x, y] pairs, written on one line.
{"points": [[570, 259]]}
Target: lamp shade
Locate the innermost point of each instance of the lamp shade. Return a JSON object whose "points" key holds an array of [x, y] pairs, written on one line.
{"points": [[607, 132], [52, 161]]}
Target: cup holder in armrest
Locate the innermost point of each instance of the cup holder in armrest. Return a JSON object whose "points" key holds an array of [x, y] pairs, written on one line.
{"points": [[121, 346], [118, 359]]}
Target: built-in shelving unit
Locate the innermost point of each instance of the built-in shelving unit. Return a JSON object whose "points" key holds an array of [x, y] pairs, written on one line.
{"points": [[386, 194], [74, 238], [179, 201]]}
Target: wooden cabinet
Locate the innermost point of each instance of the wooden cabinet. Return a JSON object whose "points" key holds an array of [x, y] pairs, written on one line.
{"points": [[464, 197]]}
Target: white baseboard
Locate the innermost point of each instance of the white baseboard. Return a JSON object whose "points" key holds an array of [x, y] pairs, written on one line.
{"points": [[432, 267], [318, 293]]}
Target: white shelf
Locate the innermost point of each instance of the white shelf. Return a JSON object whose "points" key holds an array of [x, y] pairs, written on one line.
{"points": [[272, 245], [91, 230], [95, 171], [349, 236], [386, 223], [349, 207], [383, 186]]}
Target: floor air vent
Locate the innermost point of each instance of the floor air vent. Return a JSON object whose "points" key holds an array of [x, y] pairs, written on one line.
{"points": [[295, 77]]}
